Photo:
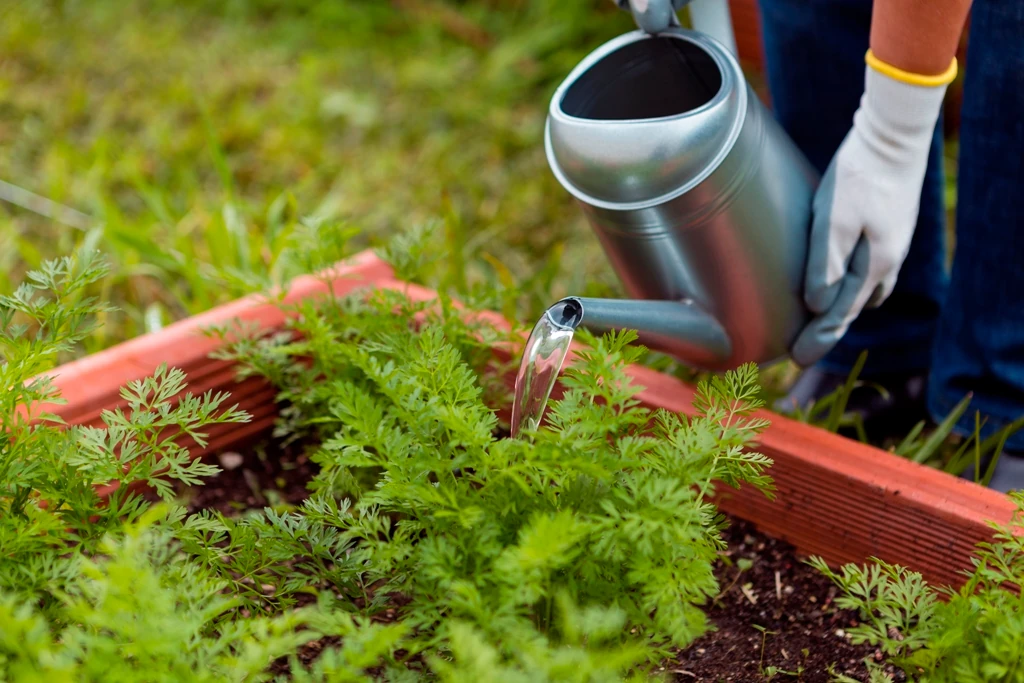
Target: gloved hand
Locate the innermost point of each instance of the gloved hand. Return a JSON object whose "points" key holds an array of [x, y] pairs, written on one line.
{"points": [[654, 16], [866, 206]]}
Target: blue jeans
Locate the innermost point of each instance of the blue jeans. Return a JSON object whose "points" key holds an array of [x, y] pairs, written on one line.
{"points": [[965, 328]]}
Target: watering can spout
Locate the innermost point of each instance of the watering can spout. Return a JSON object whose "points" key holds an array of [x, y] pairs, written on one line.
{"points": [[680, 328]]}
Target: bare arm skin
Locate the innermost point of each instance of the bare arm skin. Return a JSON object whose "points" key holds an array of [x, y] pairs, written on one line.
{"points": [[919, 36]]}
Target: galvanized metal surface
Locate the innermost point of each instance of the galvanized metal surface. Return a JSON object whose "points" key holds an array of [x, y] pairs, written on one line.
{"points": [[695, 192], [710, 17], [653, 16]]}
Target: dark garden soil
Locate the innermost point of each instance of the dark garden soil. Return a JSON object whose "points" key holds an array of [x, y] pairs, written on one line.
{"points": [[778, 612], [261, 477]]}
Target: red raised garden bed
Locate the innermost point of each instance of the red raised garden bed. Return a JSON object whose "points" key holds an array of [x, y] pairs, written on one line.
{"points": [[835, 498]]}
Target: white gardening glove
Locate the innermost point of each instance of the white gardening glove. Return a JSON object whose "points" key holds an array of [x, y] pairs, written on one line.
{"points": [[866, 208]]}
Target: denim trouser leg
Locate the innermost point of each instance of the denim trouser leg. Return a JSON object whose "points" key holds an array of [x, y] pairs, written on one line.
{"points": [[815, 66], [980, 342]]}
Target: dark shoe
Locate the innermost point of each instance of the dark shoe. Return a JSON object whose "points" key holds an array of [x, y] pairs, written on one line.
{"points": [[888, 414]]}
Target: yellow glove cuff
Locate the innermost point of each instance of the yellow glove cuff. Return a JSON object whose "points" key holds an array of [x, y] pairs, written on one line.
{"points": [[898, 74]]}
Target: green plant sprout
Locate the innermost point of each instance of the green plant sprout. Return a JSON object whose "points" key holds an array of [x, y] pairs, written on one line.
{"points": [[942, 634], [97, 588], [770, 673], [50, 513]]}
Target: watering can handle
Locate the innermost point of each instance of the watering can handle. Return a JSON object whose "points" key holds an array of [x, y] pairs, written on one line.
{"points": [[711, 17], [653, 16]]}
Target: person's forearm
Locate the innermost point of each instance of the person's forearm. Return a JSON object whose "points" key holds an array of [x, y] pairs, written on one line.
{"points": [[919, 36]]}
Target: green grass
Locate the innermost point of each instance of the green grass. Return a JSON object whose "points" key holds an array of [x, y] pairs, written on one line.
{"points": [[203, 132]]}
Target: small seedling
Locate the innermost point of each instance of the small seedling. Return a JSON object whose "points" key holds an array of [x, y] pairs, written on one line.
{"points": [[743, 565], [770, 673], [942, 633]]}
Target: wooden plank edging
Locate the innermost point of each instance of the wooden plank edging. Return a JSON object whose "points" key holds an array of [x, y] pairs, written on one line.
{"points": [[835, 497], [93, 383], [847, 501]]}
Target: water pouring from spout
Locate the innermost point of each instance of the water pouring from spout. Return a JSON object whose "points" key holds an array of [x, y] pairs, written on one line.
{"points": [[678, 327], [543, 358]]}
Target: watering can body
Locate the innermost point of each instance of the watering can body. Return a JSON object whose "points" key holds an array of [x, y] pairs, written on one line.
{"points": [[700, 200]]}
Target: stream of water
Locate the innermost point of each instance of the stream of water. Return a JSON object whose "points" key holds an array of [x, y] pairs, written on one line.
{"points": [[542, 361]]}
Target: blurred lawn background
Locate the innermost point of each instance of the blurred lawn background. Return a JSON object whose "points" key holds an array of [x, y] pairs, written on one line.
{"points": [[205, 132], [199, 136]]}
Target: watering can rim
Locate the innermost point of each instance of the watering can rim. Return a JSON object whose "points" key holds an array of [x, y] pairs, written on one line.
{"points": [[733, 86]]}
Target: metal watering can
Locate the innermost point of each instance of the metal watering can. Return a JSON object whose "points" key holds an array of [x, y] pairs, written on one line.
{"points": [[700, 200]]}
